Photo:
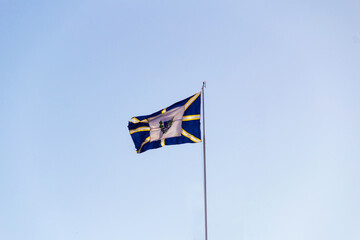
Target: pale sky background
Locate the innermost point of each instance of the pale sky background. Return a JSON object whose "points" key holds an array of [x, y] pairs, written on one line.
{"points": [[282, 118]]}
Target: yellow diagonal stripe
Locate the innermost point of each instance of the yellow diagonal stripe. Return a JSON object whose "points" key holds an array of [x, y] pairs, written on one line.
{"points": [[162, 142], [191, 100], [191, 137], [146, 141], [140, 129]]}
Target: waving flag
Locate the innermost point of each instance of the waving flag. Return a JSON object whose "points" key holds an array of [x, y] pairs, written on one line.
{"points": [[177, 124]]}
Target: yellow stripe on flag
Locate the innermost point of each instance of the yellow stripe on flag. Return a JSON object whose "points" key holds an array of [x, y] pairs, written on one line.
{"points": [[146, 141], [191, 117], [140, 129], [191, 100], [135, 120], [191, 137]]}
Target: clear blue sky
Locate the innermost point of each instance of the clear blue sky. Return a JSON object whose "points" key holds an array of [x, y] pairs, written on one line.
{"points": [[282, 105]]}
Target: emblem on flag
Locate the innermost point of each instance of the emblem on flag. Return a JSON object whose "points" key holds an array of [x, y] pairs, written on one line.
{"points": [[165, 126], [176, 124]]}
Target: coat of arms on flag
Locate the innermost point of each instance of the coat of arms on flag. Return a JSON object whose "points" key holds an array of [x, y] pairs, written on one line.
{"points": [[176, 124]]}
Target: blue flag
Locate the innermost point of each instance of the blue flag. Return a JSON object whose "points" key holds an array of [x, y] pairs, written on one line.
{"points": [[177, 124]]}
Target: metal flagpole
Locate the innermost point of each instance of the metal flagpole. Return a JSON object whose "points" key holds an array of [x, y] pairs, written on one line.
{"points": [[204, 154]]}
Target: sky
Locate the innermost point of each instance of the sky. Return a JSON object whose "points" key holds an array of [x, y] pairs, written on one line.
{"points": [[282, 119]]}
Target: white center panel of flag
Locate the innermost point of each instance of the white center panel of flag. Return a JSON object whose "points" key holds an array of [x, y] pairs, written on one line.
{"points": [[167, 124]]}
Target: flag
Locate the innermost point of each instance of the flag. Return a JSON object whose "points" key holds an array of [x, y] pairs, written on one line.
{"points": [[177, 124]]}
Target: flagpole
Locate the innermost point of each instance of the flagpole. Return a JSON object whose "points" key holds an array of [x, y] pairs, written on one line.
{"points": [[204, 154]]}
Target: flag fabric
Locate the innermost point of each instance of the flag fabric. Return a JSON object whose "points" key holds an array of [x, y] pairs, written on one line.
{"points": [[176, 124]]}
